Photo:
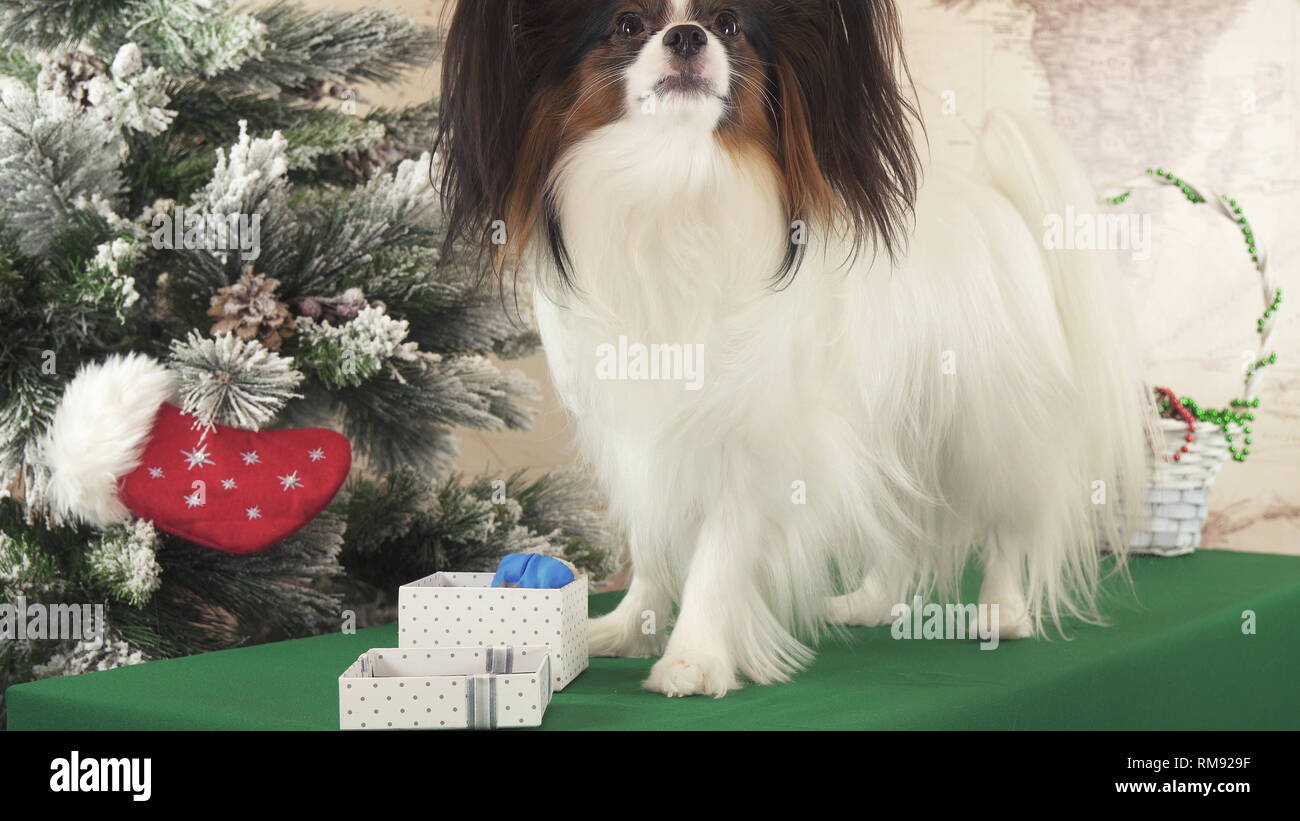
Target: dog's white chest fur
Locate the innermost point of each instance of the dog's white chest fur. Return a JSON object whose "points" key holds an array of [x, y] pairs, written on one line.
{"points": [[672, 254]]}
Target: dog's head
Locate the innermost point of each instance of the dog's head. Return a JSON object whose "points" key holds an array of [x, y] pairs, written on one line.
{"points": [[815, 88]]}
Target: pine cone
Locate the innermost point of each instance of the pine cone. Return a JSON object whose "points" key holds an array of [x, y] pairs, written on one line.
{"points": [[72, 76], [365, 161], [250, 310]]}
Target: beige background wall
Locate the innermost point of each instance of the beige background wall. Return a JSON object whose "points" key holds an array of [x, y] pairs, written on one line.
{"points": [[1197, 313]]}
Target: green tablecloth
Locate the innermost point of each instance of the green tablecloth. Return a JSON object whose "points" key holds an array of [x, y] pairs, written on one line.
{"points": [[1176, 657]]}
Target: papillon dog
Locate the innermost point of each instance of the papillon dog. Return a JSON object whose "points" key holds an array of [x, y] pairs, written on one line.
{"points": [[895, 375]]}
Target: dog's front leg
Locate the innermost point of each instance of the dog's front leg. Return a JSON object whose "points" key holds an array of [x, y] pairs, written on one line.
{"points": [[634, 629], [715, 601]]}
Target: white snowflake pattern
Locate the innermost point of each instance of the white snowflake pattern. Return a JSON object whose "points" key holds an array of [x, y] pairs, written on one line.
{"points": [[291, 481], [195, 499], [156, 473], [251, 458], [197, 458], [316, 455], [253, 512], [228, 484]]}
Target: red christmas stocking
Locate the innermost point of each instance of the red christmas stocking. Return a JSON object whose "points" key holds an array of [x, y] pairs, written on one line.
{"points": [[117, 447]]}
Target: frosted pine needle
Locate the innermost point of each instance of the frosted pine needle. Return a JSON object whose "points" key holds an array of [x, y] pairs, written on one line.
{"points": [[125, 561], [350, 354], [229, 381]]}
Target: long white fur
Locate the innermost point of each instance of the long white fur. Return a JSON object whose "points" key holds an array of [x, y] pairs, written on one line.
{"points": [[99, 431], [835, 385]]}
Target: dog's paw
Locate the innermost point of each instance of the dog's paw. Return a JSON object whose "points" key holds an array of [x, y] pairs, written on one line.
{"points": [[1019, 626], [1012, 624], [612, 636], [861, 608], [692, 674]]}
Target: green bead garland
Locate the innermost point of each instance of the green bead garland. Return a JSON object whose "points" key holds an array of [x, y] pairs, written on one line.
{"points": [[1222, 418], [1277, 300], [1194, 196], [1189, 192]]}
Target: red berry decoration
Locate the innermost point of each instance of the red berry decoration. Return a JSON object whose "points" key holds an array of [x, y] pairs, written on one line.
{"points": [[1175, 408]]}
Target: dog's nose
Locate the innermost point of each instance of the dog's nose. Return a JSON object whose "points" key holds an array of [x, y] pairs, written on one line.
{"points": [[686, 41]]}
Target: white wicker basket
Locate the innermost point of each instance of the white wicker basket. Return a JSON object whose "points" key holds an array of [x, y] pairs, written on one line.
{"points": [[1178, 495]]}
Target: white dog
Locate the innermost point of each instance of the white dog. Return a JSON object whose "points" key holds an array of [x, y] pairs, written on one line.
{"points": [[895, 373]]}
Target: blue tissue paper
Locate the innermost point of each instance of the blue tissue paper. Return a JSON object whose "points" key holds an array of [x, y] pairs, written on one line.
{"points": [[532, 570]]}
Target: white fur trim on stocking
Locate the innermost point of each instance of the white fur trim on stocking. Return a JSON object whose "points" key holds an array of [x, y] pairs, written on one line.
{"points": [[98, 433]]}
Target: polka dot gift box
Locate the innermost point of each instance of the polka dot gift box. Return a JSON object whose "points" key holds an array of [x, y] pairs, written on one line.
{"points": [[452, 688], [465, 610]]}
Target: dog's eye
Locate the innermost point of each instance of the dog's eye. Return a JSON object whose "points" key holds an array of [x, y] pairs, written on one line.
{"points": [[630, 25], [727, 24]]}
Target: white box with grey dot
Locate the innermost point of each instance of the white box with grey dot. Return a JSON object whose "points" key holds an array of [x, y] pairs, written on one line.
{"points": [[464, 610], [452, 688]]}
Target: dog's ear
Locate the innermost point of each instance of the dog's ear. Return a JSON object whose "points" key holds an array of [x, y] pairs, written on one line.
{"points": [[481, 117], [845, 118]]}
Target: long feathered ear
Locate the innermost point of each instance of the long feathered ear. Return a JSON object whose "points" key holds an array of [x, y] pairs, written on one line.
{"points": [[481, 118], [846, 117]]}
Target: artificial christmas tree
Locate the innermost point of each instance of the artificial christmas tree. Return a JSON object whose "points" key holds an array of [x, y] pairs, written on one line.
{"points": [[179, 181]]}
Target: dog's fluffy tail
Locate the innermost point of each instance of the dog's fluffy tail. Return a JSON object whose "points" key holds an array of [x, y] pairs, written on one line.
{"points": [[1030, 163]]}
